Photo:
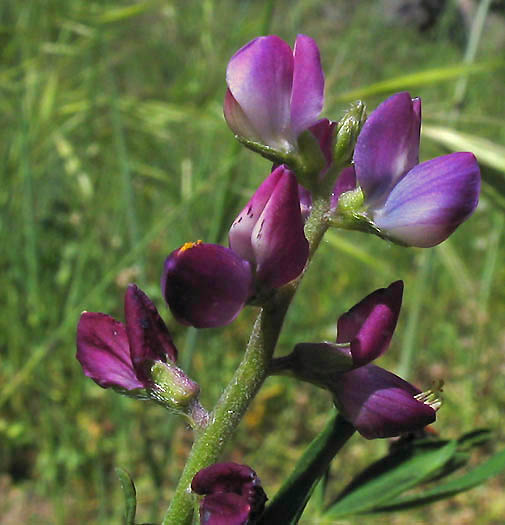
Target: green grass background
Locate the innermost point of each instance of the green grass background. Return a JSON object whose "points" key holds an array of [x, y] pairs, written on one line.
{"points": [[114, 152]]}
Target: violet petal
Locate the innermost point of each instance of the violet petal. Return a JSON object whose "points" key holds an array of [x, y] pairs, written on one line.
{"points": [[104, 353], [431, 201], [205, 285], [147, 333], [388, 146], [369, 325], [380, 404], [308, 84], [278, 240], [260, 77]]}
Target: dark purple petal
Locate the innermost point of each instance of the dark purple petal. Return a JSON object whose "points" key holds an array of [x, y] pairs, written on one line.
{"points": [[308, 85], [369, 325], [242, 228], [346, 182], [224, 509], [380, 404], [431, 201], [260, 78], [205, 285], [388, 146], [224, 477], [232, 492], [104, 353], [147, 333], [237, 119], [280, 247], [323, 130]]}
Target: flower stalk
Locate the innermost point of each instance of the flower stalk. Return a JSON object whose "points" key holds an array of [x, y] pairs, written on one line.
{"points": [[246, 381]]}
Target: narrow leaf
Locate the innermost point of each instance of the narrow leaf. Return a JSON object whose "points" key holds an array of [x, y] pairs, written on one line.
{"points": [[492, 467], [130, 495], [390, 477], [288, 504]]}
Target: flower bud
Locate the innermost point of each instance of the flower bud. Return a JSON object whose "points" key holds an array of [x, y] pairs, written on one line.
{"points": [[172, 387], [232, 494], [347, 131]]}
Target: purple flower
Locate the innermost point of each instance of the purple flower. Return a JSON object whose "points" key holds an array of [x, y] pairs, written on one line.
{"points": [[268, 232], [207, 285], [377, 402], [119, 355], [381, 404], [407, 202], [232, 494], [274, 93]]}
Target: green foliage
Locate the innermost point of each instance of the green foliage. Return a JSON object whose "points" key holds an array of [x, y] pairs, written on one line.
{"points": [[114, 152]]}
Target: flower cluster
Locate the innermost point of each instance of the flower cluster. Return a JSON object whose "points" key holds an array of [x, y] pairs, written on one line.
{"points": [[377, 402], [207, 285], [353, 174]]}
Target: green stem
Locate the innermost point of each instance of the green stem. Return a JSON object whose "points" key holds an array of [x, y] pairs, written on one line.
{"points": [[246, 381]]}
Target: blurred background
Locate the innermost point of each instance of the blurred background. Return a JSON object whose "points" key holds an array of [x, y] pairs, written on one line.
{"points": [[114, 152]]}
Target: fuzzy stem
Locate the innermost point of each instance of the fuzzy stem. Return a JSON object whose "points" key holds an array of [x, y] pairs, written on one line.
{"points": [[246, 381]]}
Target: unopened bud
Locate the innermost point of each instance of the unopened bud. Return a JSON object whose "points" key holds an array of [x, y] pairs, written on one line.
{"points": [[172, 387], [347, 131]]}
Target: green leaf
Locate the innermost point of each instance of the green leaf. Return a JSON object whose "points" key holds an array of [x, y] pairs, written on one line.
{"points": [[475, 477], [130, 495], [288, 504], [390, 476]]}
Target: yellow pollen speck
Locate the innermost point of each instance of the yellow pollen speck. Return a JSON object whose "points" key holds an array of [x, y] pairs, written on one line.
{"points": [[188, 246]]}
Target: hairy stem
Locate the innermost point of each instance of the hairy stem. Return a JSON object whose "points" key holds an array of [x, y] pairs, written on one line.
{"points": [[246, 381]]}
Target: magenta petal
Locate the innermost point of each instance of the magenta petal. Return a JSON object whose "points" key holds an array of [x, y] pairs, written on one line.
{"points": [[260, 76], [147, 333], [380, 404], [369, 325], [242, 228], [308, 85], [280, 247], [103, 351], [346, 182], [388, 146], [205, 285], [431, 201]]}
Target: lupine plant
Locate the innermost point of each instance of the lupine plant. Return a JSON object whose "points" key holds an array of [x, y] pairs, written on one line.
{"points": [[355, 173]]}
